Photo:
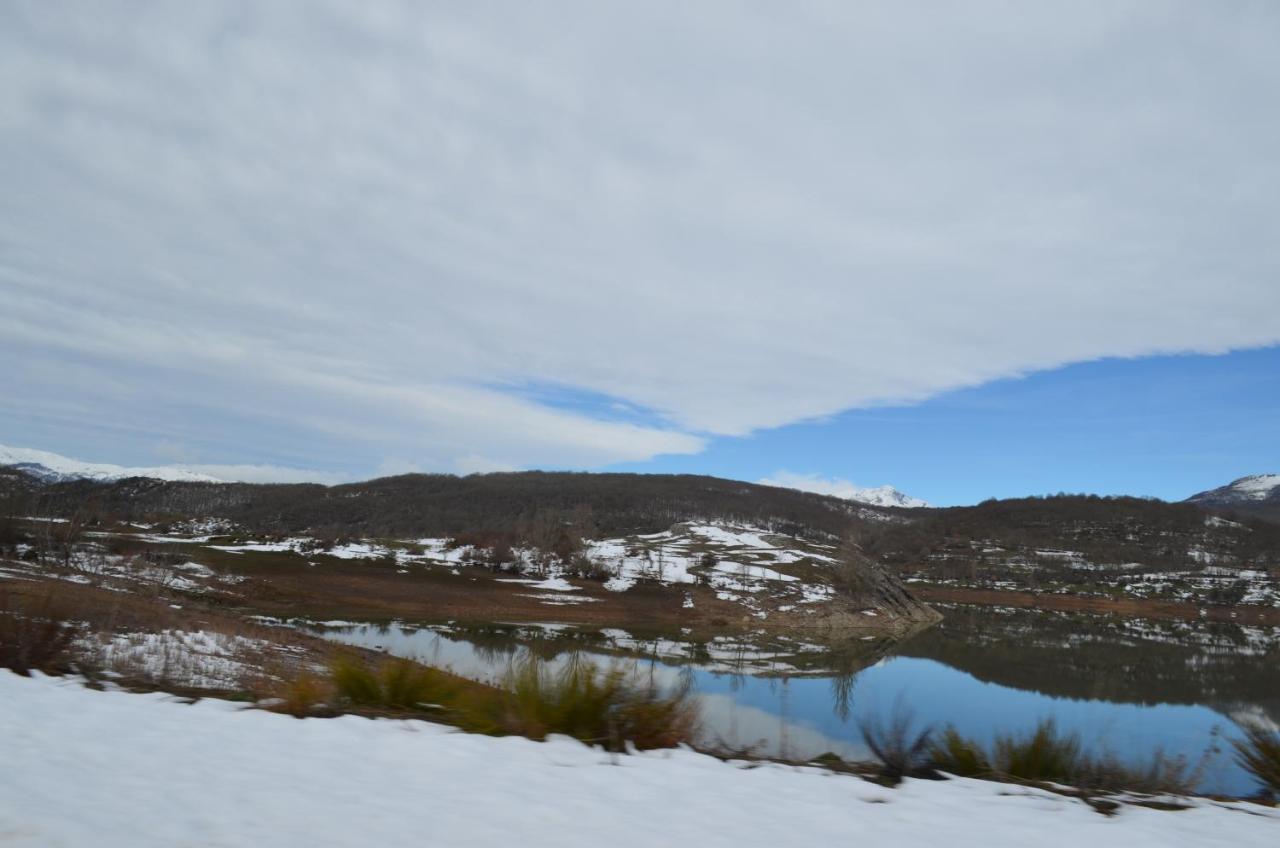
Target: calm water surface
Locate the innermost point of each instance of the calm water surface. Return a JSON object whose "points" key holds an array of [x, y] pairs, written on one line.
{"points": [[1126, 686]]}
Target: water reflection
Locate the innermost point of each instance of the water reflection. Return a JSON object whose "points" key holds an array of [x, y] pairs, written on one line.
{"points": [[1129, 687]]}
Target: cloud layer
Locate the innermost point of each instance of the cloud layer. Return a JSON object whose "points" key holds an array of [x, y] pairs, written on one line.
{"points": [[287, 236]]}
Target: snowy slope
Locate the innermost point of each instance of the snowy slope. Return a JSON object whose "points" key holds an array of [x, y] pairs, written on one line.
{"points": [[53, 467], [841, 488], [1246, 490], [762, 571], [885, 496], [106, 769]]}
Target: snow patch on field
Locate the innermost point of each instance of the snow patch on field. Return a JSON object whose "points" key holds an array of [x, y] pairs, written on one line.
{"points": [[162, 539], [195, 659], [555, 600], [753, 566], [551, 584], [286, 545], [753, 572], [738, 563]]}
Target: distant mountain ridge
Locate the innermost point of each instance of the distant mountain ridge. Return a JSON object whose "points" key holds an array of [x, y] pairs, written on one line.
{"points": [[886, 496], [51, 467], [444, 504], [1256, 494], [55, 468], [1253, 488], [1191, 552]]}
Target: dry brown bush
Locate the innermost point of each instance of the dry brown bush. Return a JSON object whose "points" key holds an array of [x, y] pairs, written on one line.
{"points": [[35, 632]]}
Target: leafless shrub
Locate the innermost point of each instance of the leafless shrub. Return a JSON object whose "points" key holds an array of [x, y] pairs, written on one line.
{"points": [[900, 751], [586, 568], [1259, 754]]}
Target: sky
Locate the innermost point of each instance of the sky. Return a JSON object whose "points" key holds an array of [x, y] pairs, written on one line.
{"points": [[967, 250]]}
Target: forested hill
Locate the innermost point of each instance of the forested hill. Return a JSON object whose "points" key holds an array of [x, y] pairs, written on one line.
{"points": [[436, 504], [1011, 537], [1024, 539]]}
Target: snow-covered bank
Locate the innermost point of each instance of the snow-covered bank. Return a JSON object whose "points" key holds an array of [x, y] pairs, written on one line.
{"points": [[88, 768]]}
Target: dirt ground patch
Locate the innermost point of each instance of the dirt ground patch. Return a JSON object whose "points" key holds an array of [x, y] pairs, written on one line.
{"points": [[368, 591]]}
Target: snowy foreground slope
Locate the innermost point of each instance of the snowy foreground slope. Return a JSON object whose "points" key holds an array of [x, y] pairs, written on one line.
{"points": [[88, 768]]}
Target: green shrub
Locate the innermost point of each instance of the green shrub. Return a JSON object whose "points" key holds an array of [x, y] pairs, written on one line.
{"points": [[1259, 754]]}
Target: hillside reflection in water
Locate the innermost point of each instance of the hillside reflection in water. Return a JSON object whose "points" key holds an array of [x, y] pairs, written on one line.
{"points": [[1126, 686]]}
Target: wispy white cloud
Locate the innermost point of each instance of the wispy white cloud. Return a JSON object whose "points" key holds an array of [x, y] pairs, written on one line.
{"points": [[345, 225], [265, 474]]}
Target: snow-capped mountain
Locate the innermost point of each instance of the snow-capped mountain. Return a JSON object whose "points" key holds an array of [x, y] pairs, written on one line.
{"points": [[1251, 490], [52, 467], [885, 496], [1257, 495], [836, 487]]}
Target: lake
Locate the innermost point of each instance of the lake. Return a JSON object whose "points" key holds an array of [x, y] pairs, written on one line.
{"points": [[1127, 686]]}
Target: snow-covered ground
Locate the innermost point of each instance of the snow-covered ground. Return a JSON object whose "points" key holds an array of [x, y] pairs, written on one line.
{"points": [[739, 564], [92, 564], [199, 659], [88, 768]]}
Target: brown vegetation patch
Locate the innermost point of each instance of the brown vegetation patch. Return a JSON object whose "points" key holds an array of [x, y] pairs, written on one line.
{"points": [[1127, 607]]}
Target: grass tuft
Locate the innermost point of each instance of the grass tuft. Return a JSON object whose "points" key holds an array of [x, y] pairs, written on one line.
{"points": [[394, 684], [303, 695], [355, 682], [956, 754], [407, 685], [1045, 754], [609, 707]]}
